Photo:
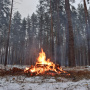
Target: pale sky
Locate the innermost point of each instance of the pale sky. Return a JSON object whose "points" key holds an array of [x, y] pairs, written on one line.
{"points": [[26, 7]]}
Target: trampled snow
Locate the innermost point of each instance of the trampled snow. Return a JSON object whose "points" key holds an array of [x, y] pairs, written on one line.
{"points": [[41, 83]]}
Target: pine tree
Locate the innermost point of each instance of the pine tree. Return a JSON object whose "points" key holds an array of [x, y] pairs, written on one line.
{"points": [[4, 19], [7, 44], [51, 34], [16, 27], [71, 37], [87, 28], [16, 36]]}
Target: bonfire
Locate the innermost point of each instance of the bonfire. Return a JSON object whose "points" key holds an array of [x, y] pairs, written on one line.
{"points": [[44, 67]]}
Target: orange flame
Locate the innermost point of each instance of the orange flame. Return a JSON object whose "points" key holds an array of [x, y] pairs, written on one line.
{"points": [[42, 65]]}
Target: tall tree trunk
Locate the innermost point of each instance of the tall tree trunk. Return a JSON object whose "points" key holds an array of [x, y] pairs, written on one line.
{"points": [[87, 28], [58, 36], [51, 35], [8, 35], [67, 37], [71, 37]]}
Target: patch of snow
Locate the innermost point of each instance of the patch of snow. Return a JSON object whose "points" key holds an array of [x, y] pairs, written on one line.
{"points": [[11, 66], [40, 83], [77, 68]]}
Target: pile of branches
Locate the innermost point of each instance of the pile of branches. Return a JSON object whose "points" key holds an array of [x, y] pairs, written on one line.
{"points": [[13, 71], [46, 73]]}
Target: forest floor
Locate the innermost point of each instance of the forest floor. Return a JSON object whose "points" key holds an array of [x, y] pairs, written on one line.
{"points": [[79, 79]]}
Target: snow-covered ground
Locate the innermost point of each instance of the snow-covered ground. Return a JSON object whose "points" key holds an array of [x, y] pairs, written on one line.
{"points": [[11, 66], [41, 83], [77, 68]]}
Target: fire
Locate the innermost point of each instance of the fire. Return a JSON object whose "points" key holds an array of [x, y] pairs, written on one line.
{"points": [[42, 66]]}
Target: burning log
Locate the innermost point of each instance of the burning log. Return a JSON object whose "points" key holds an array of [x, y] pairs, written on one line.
{"points": [[41, 65], [44, 67]]}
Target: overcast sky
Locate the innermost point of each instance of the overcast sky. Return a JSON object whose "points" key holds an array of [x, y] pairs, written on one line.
{"points": [[26, 7]]}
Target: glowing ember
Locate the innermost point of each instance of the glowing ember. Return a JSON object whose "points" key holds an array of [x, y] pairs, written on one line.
{"points": [[44, 66]]}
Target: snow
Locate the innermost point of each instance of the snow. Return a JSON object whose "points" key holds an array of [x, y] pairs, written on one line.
{"points": [[41, 83], [77, 68], [11, 66]]}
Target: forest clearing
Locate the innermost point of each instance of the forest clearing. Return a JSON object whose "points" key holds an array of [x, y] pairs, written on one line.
{"points": [[45, 44]]}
